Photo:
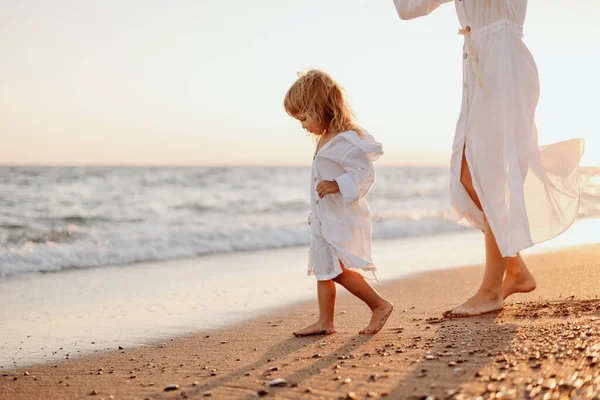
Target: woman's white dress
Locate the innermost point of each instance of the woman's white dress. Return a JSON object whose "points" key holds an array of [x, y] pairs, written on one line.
{"points": [[529, 194]]}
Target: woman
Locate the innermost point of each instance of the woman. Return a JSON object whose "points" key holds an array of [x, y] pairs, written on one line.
{"points": [[501, 182]]}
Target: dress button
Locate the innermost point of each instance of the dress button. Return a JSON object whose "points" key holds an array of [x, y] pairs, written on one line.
{"points": [[468, 28], [315, 179], [465, 56], [317, 202], [465, 85]]}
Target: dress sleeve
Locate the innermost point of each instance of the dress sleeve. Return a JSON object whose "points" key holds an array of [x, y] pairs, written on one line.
{"points": [[409, 9], [359, 176]]}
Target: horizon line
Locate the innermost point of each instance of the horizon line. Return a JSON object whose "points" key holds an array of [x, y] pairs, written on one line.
{"points": [[253, 165], [173, 165]]}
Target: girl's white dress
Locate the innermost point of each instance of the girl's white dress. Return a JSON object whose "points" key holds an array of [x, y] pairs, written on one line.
{"points": [[529, 194], [341, 223]]}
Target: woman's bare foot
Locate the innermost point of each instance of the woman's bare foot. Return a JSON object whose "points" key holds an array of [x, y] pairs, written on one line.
{"points": [[378, 318], [476, 305], [317, 328], [518, 279]]}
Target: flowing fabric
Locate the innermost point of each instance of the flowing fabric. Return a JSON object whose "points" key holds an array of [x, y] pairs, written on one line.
{"points": [[529, 194]]}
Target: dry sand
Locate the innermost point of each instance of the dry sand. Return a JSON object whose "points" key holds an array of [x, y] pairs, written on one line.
{"points": [[545, 344]]}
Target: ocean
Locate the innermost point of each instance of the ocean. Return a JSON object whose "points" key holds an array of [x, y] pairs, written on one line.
{"points": [[58, 218]]}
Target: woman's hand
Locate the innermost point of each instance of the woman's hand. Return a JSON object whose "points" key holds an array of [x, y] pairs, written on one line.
{"points": [[327, 187]]}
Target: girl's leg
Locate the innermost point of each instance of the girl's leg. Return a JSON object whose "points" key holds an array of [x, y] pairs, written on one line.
{"points": [[518, 279], [324, 325], [356, 284]]}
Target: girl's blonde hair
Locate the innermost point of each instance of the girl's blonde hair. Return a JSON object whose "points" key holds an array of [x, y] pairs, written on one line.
{"points": [[317, 94]]}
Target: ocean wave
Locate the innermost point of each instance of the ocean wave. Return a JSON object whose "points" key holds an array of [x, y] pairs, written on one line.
{"points": [[22, 236], [246, 206], [82, 220], [49, 254], [62, 218], [12, 226]]}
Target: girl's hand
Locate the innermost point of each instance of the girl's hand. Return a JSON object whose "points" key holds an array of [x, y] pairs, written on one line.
{"points": [[327, 187]]}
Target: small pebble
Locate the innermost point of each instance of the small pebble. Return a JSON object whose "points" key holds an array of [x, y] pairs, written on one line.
{"points": [[278, 382], [171, 387]]}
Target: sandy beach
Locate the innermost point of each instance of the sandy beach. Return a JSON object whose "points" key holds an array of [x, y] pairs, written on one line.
{"points": [[544, 344], [175, 175]]}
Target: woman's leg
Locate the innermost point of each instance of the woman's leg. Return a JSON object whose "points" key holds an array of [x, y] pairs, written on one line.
{"points": [[324, 326], [467, 180], [356, 284], [518, 279], [489, 296]]}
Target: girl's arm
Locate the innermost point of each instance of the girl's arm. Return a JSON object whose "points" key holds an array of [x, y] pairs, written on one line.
{"points": [[409, 9], [359, 176]]}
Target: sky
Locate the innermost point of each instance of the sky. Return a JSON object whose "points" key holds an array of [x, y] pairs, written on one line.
{"points": [[201, 82]]}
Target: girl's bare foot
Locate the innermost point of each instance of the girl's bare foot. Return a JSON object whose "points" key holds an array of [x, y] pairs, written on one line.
{"points": [[518, 279], [476, 305], [378, 318], [317, 328]]}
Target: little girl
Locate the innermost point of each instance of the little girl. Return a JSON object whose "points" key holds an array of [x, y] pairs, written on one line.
{"points": [[340, 220]]}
